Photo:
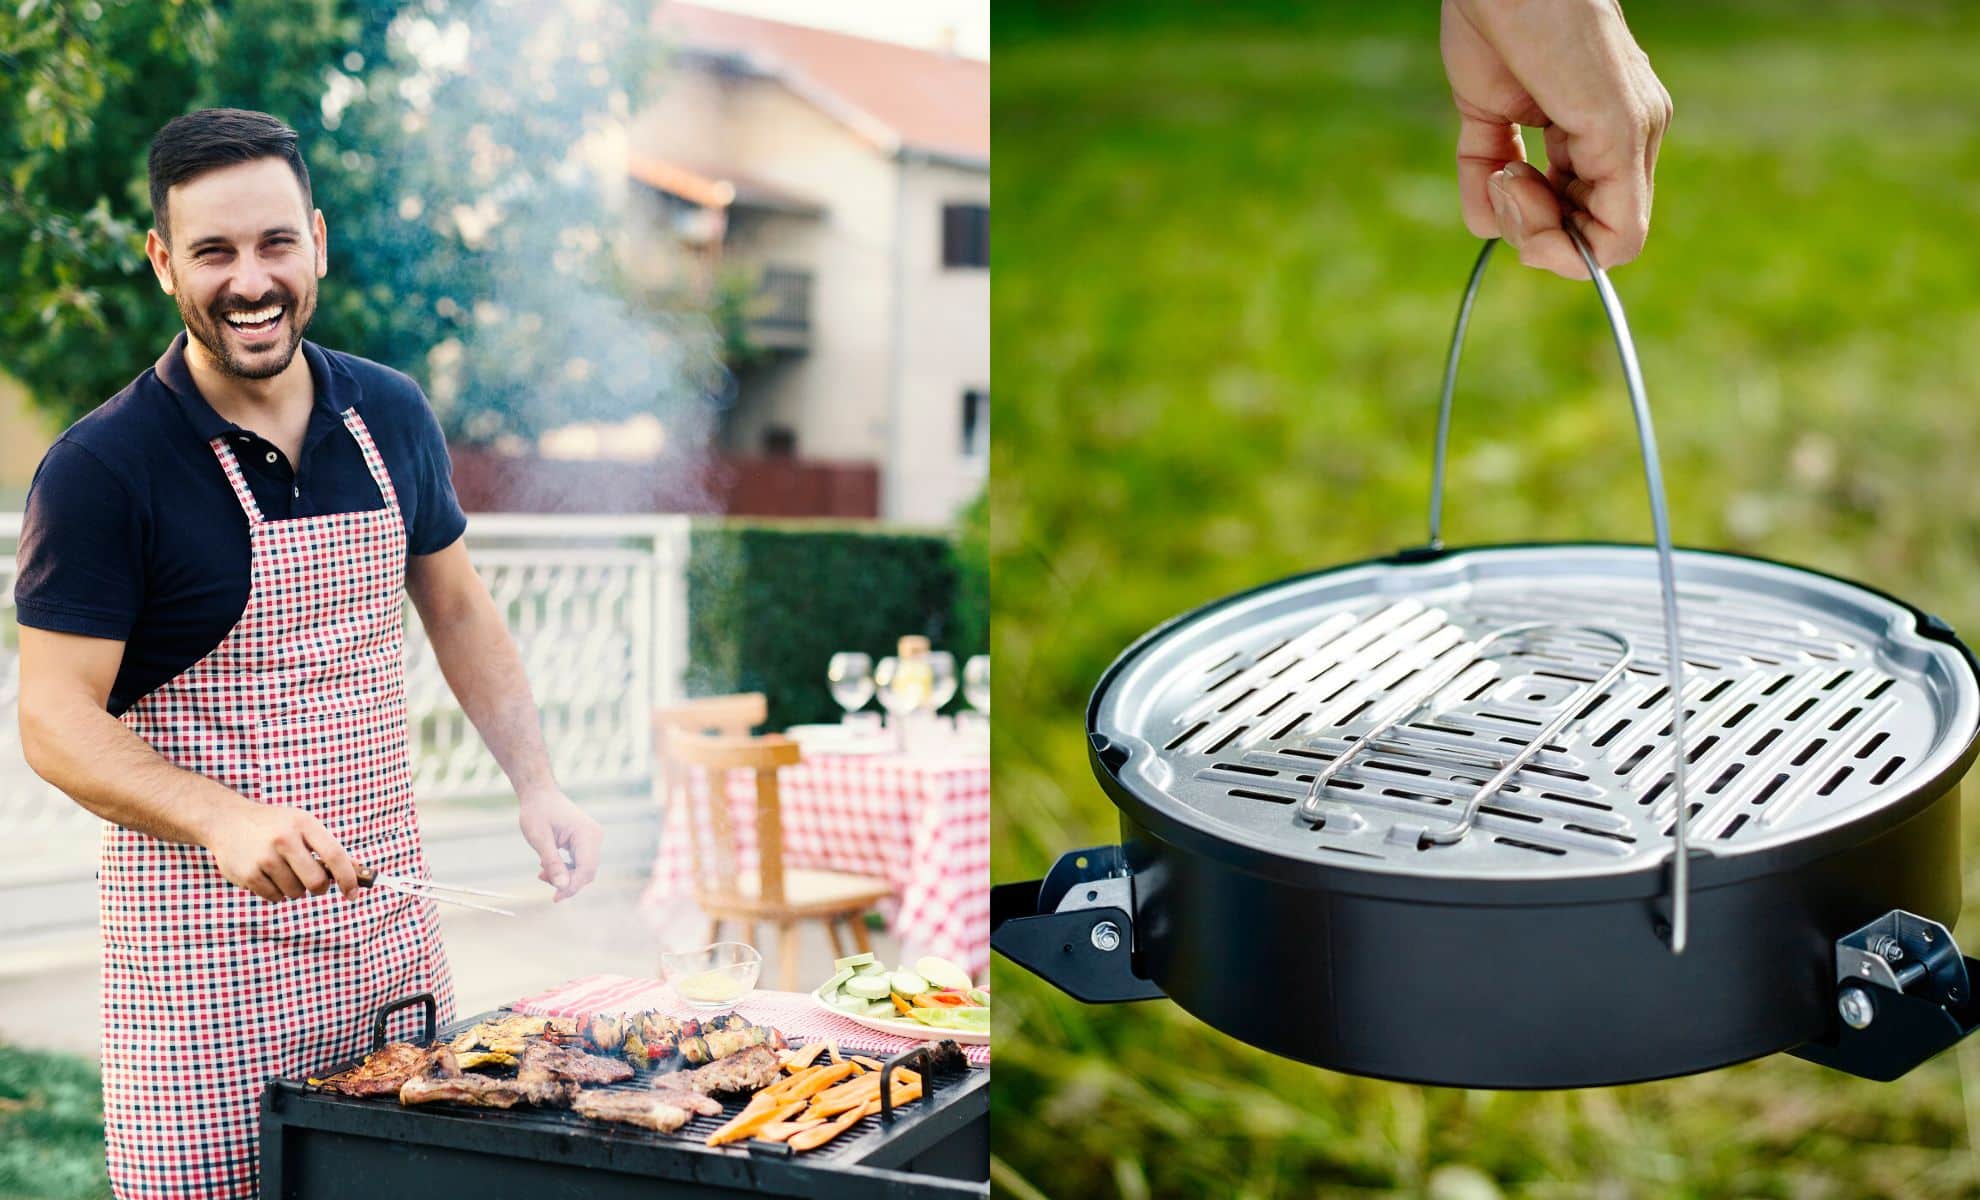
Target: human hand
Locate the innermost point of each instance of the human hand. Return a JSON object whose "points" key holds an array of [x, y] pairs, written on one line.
{"points": [[280, 853], [552, 824], [1572, 68]]}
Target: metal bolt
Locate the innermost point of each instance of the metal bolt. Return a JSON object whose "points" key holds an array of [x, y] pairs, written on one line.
{"points": [[1856, 1007], [1106, 936]]}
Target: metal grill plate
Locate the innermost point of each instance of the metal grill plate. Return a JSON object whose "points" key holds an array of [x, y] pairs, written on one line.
{"points": [[1809, 702]]}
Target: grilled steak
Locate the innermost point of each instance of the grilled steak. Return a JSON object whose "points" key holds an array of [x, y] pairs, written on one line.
{"points": [[743, 1071], [509, 1034], [384, 1072], [570, 1065], [483, 1092], [694, 1102], [649, 1110]]}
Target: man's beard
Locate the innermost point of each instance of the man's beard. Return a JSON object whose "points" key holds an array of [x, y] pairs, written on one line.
{"points": [[207, 328]]}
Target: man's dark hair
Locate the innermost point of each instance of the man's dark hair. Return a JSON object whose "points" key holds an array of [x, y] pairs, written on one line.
{"points": [[198, 142]]}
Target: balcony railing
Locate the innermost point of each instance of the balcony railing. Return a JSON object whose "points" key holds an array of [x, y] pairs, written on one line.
{"points": [[598, 608], [780, 311]]}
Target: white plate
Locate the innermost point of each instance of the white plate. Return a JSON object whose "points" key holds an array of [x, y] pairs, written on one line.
{"points": [[908, 1029], [821, 732]]}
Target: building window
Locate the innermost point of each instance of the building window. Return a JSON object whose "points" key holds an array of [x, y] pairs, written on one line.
{"points": [[975, 423], [965, 235]]}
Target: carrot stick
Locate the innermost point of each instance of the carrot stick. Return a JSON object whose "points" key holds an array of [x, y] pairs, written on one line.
{"points": [[811, 1139], [816, 1082], [747, 1122], [781, 1131]]}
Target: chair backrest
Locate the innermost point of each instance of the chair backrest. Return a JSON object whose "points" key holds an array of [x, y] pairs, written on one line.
{"points": [[725, 716], [717, 755], [732, 716]]}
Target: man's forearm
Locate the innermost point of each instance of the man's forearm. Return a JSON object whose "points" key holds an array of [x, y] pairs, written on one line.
{"points": [[100, 764], [485, 671]]}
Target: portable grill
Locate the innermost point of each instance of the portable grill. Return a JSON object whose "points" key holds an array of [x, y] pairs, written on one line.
{"points": [[1522, 816], [317, 1145]]}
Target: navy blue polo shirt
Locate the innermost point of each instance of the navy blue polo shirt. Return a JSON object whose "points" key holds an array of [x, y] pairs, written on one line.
{"points": [[133, 533]]}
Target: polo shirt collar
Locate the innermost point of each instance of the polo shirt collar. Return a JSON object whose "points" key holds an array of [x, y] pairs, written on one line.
{"points": [[336, 390]]}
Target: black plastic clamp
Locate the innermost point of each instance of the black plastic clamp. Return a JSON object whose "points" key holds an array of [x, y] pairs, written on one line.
{"points": [[1074, 928]]}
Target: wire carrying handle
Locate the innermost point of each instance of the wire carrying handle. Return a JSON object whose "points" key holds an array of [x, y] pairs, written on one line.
{"points": [[1313, 806], [1660, 520]]}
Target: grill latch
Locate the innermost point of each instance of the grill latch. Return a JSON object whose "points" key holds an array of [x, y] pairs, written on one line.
{"points": [[1903, 994]]}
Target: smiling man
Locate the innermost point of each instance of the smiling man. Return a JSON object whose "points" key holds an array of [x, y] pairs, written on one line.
{"points": [[210, 590]]}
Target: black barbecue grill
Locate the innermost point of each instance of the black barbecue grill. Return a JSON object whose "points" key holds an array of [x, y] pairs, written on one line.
{"points": [[1531, 816], [318, 1145]]}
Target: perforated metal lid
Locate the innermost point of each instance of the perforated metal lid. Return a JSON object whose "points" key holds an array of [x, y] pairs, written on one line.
{"points": [[1810, 702]]}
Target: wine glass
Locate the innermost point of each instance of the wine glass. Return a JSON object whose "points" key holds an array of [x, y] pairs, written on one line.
{"points": [[941, 679], [851, 676], [902, 688], [976, 683]]}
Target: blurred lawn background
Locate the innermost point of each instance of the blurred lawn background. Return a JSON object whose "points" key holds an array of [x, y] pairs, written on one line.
{"points": [[1228, 255]]}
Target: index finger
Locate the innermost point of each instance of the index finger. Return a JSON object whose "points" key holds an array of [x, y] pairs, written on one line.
{"points": [[1485, 145], [1614, 214], [330, 852]]}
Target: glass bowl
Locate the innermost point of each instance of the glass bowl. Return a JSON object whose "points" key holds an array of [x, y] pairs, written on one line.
{"points": [[713, 977]]}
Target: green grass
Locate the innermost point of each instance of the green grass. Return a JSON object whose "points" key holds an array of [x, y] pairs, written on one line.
{"points": [[1227, 261], [51, 1127]]}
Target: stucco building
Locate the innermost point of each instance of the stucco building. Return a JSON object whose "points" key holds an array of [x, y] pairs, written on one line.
{"points": [[843, 185]]}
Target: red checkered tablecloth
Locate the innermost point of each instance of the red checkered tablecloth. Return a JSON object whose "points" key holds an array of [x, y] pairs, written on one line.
{"points": [[794, 1014], [922, 823]]}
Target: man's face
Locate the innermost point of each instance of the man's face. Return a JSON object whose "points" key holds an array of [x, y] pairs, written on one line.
{"points": [[243, 246]]}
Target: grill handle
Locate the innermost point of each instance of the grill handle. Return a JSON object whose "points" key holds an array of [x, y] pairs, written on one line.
{"points": [[919, 1054], [1660, 520], [423, 999]]}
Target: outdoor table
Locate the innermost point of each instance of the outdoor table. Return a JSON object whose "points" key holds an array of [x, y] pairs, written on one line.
{"points": [[920, 821]]}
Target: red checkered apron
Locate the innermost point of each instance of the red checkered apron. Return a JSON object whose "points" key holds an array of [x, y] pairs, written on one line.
{"points": [[209, 990]]}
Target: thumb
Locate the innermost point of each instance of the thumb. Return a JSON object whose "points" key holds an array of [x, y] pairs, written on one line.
{"points": [[1530, 215], [548, 855]]}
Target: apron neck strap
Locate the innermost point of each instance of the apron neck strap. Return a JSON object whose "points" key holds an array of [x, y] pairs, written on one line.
{"points": [[373, 462], [237, 481]]}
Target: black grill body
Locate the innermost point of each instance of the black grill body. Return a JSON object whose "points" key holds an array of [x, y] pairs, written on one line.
{"points": [[318, 1145]]}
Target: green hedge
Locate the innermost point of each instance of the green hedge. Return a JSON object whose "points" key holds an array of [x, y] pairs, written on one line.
{"points": [[768, 605]]}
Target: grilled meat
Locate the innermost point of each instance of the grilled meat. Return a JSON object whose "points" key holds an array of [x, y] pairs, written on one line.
{"points": [[484, 1092], [721, 1043], [694, 1102], [508, 1035], [570, 1065], [383, 1072], [744, 1071], [649, 1110], [651, 1037], [947, 1058]]}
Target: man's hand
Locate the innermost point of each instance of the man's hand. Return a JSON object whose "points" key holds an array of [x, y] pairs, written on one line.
{"points": [[551, 824], [1572, 68], [267, 848]]}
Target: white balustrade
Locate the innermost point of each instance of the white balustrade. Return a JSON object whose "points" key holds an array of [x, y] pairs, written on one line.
{"points": [[598, 608]]}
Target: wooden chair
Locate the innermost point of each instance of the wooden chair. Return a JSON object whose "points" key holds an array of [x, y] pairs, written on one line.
{"points": [[730, 716], [772, 893], [726, 716]]}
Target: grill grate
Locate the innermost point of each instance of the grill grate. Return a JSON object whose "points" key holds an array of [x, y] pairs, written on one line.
{"points": [[852, 1145], [1806, 701]]}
